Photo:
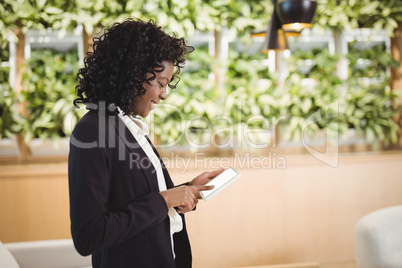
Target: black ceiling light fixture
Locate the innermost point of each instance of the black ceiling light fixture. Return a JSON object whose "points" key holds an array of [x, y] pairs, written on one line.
{"points": [[259, 34], [296, 14], [275, 37], [288, 33], [292, 33], [289, 17]]}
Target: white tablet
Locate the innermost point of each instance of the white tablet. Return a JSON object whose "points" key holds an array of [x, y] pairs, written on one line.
{"points": [[220, 182]]}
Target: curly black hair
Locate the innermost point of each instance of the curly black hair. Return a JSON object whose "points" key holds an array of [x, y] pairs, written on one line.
{"points": [[116, 69]]}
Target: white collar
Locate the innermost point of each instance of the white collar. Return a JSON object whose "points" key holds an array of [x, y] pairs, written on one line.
{"points": [[135, 124]]}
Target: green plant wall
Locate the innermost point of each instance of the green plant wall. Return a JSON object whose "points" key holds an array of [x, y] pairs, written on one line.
{"points": [[184, 16], [250, 90], [49, 82], [352, 14], [371, 105], [11, 121]]}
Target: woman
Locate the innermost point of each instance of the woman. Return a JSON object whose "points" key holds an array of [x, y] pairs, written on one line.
{"points": [[124, 208]]}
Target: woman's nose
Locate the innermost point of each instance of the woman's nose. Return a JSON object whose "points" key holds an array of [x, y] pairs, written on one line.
{"points": [[163, 95]]}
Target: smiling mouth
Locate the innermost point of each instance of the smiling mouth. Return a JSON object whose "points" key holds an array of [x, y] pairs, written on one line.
{"points": [[153, 105]]}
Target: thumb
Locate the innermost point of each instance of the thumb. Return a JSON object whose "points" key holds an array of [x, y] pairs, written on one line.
{"points": [[204, 187], [215, 172]]}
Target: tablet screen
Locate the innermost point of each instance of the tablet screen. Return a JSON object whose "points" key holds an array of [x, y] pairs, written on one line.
{"points": [[220, 182]]}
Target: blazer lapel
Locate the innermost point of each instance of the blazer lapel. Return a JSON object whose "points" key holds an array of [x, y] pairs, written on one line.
{"points": [[131, 144], [169, 182]]}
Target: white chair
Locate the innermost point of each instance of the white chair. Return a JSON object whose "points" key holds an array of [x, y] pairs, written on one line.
{"points": [[58, 253], [379, 239]]}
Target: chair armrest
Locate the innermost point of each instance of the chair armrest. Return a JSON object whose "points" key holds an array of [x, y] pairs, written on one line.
{"points": [[58, 253]]}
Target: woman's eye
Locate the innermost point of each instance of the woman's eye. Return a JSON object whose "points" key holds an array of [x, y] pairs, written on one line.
{"points": [[161, 85]]}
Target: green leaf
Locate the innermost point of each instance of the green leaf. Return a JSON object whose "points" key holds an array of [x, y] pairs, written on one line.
{"points": [[369, 8], [53, 10]]}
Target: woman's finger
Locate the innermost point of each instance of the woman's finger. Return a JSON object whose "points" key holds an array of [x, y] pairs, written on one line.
{"points": [[215, 173], [204, 187]]}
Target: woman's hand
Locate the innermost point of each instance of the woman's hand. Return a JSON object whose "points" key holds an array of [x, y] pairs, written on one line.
{"points": [[184, 197], [205, 177]]}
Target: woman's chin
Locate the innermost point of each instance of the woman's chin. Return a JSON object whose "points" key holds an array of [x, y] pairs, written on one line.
{"points": [[144, 114]]}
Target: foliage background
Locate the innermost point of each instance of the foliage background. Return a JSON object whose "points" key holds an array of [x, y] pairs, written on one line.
{"points": [[250, 90]]}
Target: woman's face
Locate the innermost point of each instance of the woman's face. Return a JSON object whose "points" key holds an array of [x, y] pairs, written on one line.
{"points": [[155, 91]]}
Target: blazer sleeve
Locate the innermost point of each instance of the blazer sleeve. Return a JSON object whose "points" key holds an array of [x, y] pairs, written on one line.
{"points": [[93, 225]]}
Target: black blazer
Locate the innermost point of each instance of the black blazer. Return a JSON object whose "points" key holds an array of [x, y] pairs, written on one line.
{"points": [[117, 213]]}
